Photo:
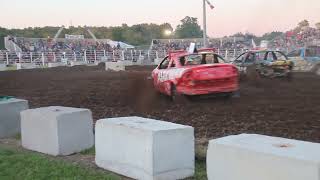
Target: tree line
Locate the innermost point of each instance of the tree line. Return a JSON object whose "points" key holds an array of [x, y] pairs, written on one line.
{"points": [[138, 35]]}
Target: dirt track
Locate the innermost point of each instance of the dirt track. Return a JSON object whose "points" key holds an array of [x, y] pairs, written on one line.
{"points": [[277, 108]]}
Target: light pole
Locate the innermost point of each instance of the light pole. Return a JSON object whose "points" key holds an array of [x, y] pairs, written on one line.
{"points": [[204, 24]]}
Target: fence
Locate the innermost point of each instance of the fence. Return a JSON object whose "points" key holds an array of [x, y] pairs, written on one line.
{"points": [[145, 56]]}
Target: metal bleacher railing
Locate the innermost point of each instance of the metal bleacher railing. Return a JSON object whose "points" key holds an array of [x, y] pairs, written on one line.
{"points": [[146, 57]]}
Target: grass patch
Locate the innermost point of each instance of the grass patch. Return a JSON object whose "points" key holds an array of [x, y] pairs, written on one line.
{"points": [[201, 172], [29, 165], [91, 151], [23, 165]]}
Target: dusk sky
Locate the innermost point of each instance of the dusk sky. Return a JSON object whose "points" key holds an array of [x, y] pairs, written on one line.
{"points": [[228, 17]]}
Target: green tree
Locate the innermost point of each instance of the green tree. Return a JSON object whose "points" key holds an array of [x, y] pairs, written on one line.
{"points": [[3, 33], [303, 23], [272, 35], [318, 25], [189, 28]]}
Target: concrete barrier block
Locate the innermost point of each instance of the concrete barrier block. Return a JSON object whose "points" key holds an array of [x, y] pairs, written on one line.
{"points": [[19, 66], [56, 64], [115, 66], [257, 157], [145, 149], [57, 130], [77, 63], [10, 116], [27, 66], [3, 67]]}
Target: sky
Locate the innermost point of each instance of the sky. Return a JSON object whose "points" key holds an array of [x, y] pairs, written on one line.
{"points": [[228, 16]]}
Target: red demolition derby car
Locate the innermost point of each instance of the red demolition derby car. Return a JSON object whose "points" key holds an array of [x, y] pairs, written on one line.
{"points": [[200, 73]]}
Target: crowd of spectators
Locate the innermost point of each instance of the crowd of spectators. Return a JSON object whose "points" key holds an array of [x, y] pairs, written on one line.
{"points": [[286, 42], [58, 45], [294, 39], [173, 44], [222, 43], [305, 36]]}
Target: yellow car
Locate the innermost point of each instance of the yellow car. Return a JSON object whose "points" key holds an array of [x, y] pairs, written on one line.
{"points": [[267, 63]]}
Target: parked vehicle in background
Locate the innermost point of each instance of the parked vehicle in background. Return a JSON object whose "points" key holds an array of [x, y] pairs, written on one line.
{"points": [[306, 59], [200, 73], [265, 63]]}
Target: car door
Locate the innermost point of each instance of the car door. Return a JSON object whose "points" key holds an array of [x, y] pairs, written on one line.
{"points": [[239, 62], [161, 74], [250, 59]]}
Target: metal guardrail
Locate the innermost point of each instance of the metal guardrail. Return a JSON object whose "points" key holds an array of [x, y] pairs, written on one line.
{"points": [[92, 56]]}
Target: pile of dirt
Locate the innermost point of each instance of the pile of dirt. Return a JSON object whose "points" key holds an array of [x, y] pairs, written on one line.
{"points": [[272, 107]]}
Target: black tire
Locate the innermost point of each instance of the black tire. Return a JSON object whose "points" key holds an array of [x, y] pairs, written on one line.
{"points": [[228, 95], [289, 76], [176, 97], [174, 94]]}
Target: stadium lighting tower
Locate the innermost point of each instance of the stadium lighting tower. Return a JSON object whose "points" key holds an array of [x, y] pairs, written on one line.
{"points": [[204, 23], [205, 2], [167, 32]]}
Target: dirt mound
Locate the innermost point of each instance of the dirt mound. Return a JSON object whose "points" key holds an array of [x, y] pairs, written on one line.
{"points": [[273, 107]]}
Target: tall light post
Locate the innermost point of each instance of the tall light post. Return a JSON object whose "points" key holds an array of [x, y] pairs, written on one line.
{"points": [[204, 24]]}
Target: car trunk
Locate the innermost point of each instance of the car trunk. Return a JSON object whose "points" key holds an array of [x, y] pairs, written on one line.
{"points": [[210, 75]]}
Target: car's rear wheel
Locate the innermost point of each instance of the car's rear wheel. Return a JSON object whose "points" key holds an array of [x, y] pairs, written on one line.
{"points": [[177, 97], [289, 76]]}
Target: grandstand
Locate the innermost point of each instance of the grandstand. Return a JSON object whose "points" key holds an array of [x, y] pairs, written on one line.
{"points": [[92, 50], [21, 44], [219, 43], [75, 43]]}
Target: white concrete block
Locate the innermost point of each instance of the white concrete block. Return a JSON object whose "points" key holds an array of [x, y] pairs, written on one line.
{"points": [[145, 149], [57, 130], [27, 66], [77, 63], [3, 67], [10, 116], [116, 66], [96, 63], [19, 66], [257, 157], [56, 64], [139, 62]]}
